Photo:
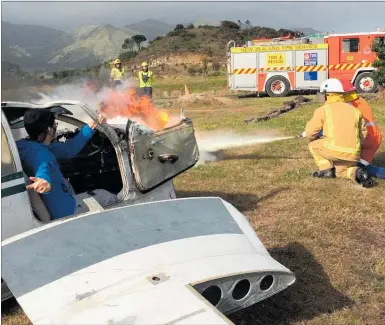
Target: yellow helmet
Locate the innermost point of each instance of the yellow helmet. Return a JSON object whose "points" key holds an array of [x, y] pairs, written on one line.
{"points": [[117, 61], [144, 64]]}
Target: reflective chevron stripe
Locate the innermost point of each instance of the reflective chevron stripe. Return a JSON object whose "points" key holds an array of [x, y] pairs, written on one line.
{"points": [[332, 67], [245, 71]]}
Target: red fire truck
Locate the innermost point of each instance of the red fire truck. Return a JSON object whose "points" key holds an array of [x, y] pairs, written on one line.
{"points": [[278, 66]]}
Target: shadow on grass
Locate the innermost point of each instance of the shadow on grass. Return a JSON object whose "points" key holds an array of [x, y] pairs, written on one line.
{"points": [[311, 295], [12, 313], [241, 201], [9, 306]]}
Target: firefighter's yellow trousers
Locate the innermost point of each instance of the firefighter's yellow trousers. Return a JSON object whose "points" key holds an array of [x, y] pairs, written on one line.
{"points": [[324, 159]]}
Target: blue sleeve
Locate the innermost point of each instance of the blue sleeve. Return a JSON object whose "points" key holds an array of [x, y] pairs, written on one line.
{"points": [[320, 134], [42, 166], [70, 148]]}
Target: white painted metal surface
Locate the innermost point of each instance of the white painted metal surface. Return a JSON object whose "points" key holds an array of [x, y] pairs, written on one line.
{"points": [[241, 61], [289, 60], [153, 270], [321, 58], [17, 216]]}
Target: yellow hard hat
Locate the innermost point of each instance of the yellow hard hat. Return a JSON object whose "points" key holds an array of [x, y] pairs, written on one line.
{"points": [[144, 64], [117, 61]]}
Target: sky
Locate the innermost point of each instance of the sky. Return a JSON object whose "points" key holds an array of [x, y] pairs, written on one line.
{"points": [[324, 16]]}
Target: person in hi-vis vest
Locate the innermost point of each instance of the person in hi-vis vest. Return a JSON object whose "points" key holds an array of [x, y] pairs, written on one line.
{"points": [[117, 73], [145, 80], [337, 151]]}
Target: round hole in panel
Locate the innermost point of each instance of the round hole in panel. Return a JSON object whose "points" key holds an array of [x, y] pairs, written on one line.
{"points": [[241, 289], [213, 294], [266, 282]]}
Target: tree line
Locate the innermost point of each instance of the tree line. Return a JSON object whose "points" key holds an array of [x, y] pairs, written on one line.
{"points": [[226, 25]]}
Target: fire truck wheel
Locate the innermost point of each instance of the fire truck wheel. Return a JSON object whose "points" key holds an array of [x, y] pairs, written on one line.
{"points": [[365, 83], [277, 86]]}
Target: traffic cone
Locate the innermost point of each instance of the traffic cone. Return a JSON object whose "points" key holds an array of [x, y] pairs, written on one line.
{"points": [[186, 92]]}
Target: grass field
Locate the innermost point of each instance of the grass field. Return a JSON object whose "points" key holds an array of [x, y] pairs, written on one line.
{"points": [[330, 233]]}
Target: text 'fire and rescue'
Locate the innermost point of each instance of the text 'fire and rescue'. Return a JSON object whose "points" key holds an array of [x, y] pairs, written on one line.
{"points": [[275, 60]]}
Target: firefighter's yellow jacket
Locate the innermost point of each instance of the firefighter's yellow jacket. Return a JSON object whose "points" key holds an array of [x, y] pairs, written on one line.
{"points": [[145, 79], [343, 128], [116, 74]]}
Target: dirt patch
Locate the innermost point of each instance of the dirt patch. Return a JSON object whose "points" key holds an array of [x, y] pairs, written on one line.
{"points": [[205, 99], [368, 237]]}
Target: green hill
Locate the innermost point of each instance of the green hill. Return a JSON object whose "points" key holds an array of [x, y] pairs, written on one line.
{"points": [[196, 50], [34, 47]]}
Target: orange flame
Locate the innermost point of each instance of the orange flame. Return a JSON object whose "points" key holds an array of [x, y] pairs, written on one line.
{"points": [[128, 104]]}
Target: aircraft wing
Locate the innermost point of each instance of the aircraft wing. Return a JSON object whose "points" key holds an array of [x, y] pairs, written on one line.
{"points": [[184, 261]]}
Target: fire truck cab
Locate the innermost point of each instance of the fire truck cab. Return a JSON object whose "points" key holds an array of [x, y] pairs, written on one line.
{"points": [[278, 66]]}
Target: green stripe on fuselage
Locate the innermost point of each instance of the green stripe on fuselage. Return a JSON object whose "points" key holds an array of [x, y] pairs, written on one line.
{"points": [[11, 177], [19, 188], [13, 190]]}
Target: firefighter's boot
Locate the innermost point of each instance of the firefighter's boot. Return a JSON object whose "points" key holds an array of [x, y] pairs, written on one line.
{"points": [[327, 173], [363, 178]]}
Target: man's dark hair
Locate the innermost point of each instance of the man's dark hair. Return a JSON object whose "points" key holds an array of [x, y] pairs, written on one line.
{"points": [[37, 121]]}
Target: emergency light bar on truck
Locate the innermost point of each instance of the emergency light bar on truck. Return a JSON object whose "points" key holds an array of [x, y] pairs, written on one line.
{"points": [[278, 66]]}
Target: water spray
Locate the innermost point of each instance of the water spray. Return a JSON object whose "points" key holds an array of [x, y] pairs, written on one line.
{"points": [[209, 144]]}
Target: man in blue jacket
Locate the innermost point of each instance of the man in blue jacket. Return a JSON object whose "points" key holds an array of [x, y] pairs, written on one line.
{"points": [[39, 159]]}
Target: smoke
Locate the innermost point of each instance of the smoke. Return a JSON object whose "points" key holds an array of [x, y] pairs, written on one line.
{"points": [[210, 144], [122, 101], [78, 91]]}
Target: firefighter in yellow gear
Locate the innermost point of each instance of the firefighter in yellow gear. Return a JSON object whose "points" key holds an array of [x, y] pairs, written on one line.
{"points": [[145, 80], [117, 73], [337, 152]]}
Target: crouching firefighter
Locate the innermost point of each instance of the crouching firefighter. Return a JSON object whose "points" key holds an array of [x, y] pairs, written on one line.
{"points": [[145, 81], [117, 73], [374, 138], [337, 152]]}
